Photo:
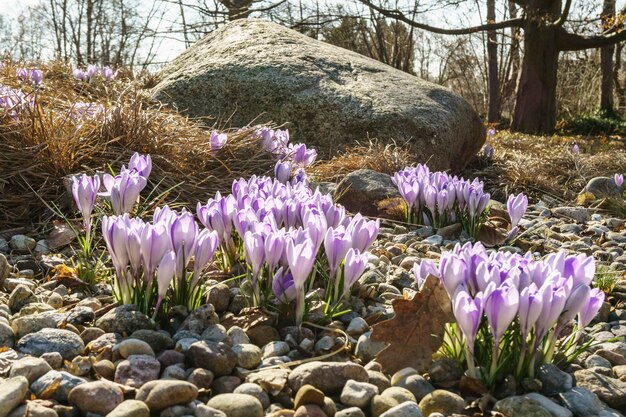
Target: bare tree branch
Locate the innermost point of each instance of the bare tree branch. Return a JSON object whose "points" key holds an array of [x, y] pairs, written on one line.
{"points": [[398, 15], [567, 41]]}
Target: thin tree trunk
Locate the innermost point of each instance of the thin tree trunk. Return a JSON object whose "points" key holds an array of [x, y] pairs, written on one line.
{"points": [[606, 64], [492, 65]]}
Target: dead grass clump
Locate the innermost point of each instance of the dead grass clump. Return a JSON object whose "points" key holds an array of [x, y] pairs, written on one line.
{"points": [[60, 135], [387, 158], [541, 166]]}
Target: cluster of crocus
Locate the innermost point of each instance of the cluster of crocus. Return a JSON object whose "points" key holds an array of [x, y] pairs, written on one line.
{"points": [[293, 159], [151, 260], [13, 101], [34, 75], [93, 71], [439, 199], [511, 309], [279, 229]]}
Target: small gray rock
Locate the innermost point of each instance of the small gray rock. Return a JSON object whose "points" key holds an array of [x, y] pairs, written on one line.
{"points": [[553, 380], [22, 243], [67, 343], [249, 356], [256, 391], [64, 381], [358, 394], [30, 368], [330, 377], [136, 370], [582, 402], [12, 392], [350, 412], [124, 320], [99, 397], [218, 358]]}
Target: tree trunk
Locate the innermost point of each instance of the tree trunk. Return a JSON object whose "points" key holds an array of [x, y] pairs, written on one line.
{"points": [[535, 104], [492, 66], [606, 64]]}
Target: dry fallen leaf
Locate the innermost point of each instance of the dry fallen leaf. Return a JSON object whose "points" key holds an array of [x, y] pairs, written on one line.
{"points": [[416, 331], [491, 236], [61, 235], [66, 275]]}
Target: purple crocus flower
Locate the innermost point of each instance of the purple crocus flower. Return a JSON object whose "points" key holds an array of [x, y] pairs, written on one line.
{"points": [[300, 258], [337, 243], [591, 308], [85, 191], [183, 233], [217, 140], [154, 243], [453, 273], [206, 245], [22, 74], [468, 312], [530, 307], [114, 233], [36, 76], [501, 307], [142, 164], [165, 274], [92, 71], [107, 73], [123, 190], [516, 206], [576, 301], [282, 286], [282, 171], [79, 74], [554, 299], [254, 251], [575, 149], [274, 245], [619, 179], [363, 232], [133, 244], [303, 156], [354, 265], [422, 270]]}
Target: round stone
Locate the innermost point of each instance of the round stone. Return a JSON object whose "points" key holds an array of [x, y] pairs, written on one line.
{"points": [[249, 356], [358, 394], [308, 394], [130, 408], [256, 391], [161, 394], [441, 401], [99, 397], [133, 347], [30, 368], [218, 358], [137, 370], [67, 343], [237, 405], [12, 392]]}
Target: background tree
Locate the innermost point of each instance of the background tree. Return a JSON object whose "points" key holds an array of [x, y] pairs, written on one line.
{"points": [[545, 37]]}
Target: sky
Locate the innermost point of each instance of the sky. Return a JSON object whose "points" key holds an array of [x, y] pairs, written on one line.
{"points": [[173, 46]]}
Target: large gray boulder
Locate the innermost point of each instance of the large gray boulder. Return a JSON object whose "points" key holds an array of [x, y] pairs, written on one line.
{"points": [[329, 97]]}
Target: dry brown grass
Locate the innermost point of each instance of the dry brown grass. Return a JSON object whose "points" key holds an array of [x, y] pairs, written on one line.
{"points": [[387, 158], [46, 145], [540, 166]]}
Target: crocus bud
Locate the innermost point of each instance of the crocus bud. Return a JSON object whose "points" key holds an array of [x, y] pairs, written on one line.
{"points": [[468, 312], [354, 265], [22, 74], [36, 76], [107, 73], [217, 140], [337, 243], [501, 307], [591, 308], [79, 74], [165, 274], [254, 251], [575, 149], [92, 71], [124, 190], [282, 171], [619, 180], [282, 286], [85, 191], [516, 206]]}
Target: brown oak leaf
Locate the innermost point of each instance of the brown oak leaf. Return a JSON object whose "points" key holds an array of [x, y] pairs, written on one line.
{"points": [[61, 235], [416, 330]]}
